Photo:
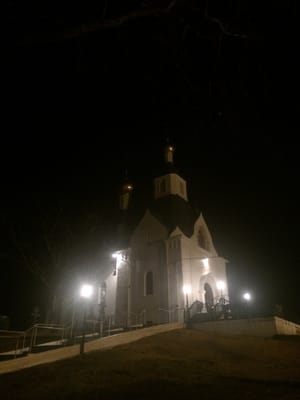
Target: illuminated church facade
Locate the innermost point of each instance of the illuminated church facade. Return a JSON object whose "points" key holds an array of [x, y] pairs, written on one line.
{"points": [[167, 264]]}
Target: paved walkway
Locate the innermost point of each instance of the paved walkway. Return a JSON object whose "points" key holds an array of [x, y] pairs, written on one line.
{"points": [[105, 343]]}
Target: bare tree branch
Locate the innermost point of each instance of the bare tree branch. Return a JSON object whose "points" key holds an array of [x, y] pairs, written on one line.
{"points": [[221, 25], [24, 259]]}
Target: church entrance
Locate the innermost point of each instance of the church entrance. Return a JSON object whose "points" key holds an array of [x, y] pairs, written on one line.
{"points": [[209, 297]]}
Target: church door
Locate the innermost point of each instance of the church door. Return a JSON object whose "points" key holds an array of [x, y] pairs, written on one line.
{"points": [[209, 297]]}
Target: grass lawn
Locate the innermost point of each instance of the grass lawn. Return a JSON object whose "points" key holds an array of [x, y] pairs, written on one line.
{"points": [[170, 365]]}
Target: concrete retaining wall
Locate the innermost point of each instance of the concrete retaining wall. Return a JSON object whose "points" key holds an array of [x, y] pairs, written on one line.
{"points": [[284, 327], [265, 327]]}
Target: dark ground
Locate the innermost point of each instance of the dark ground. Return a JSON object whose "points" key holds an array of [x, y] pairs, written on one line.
{"points": [[171, 365]]}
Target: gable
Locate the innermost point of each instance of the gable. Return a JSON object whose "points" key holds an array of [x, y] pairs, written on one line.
{"points": [[148, 230], [203, 237]]}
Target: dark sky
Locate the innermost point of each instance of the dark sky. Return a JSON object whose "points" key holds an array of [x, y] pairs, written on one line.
{"points": [[78, 111]]}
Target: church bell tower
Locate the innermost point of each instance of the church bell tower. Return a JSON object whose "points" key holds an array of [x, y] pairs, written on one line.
{"points": [[170, 183]]}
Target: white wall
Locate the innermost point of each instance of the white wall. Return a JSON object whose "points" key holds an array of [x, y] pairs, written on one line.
{"points": [[111, 285], [172, 183], [148, 254], [200, 266]]}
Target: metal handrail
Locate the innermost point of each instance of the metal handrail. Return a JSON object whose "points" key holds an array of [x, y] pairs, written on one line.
{"points": [[35, 327], [50, 326], [32, 333], [13, 335], [14, 332]]}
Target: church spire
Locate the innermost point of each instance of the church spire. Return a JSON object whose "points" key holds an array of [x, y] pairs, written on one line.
{"points": [[169, 153], [126, 189]]}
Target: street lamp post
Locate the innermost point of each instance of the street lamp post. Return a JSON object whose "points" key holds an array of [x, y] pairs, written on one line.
{"points": [[247, 298], [187, 290], [123, 264], [86, 292]]}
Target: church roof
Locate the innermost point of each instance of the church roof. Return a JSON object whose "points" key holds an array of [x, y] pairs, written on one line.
{"points": [[170, 210], [169, 168], [173, 211]]}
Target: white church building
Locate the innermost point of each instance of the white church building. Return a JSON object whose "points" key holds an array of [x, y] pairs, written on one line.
{"points": [[168, 267]]}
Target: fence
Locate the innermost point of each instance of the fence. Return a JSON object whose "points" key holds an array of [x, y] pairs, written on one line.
{"points": [[11, 340], [43, 336]]}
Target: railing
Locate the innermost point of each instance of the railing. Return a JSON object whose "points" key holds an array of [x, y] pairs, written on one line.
{"points": [[201, 312], [60, 329], [175, 314], [16, 337], [168, 311], [140, 319], [124, 322], [40, 335]]}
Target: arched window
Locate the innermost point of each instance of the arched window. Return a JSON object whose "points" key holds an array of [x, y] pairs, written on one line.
{"points": [[149, 283], [202, 240]]}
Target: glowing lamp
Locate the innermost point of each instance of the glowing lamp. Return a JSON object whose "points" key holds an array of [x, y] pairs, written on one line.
{"points": [[220, 285], [247, 296], [86, 291], [187, 289]]}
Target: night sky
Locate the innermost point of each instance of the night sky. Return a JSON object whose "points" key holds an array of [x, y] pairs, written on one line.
{"points": [[79, 109]]}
